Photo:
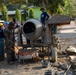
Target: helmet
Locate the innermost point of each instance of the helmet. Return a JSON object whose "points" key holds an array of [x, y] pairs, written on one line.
{"points": [[1, 24], [6, 23]]}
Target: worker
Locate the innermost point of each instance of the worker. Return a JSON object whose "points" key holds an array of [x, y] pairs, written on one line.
{"points": [[16, 22], [6, 24], [1, 43], [44, 17], [9, 42]]}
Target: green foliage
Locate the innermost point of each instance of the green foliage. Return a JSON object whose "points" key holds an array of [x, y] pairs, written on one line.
{"points": [[23, 6], [31, 13], [69, 7], [74, 7], [60, 11], [4, 12], [54, 6], [2, 1], [35, 2], [25, 15], [13, 4], [18, 15], [17, 1]]}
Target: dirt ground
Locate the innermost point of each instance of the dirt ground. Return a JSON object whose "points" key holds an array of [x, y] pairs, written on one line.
{"points": [[35, 68]]}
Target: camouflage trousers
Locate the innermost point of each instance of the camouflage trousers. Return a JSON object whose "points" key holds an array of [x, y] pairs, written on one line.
{"points": [[10, 55]]}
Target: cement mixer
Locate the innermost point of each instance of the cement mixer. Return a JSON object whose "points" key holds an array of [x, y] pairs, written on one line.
{"points": [[33, 30]]}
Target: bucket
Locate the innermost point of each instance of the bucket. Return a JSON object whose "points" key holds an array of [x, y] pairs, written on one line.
{"points": [[1, 49], [54, 29]]}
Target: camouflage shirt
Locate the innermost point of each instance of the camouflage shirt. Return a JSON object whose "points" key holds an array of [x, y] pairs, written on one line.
{"points": [[9, 37]]}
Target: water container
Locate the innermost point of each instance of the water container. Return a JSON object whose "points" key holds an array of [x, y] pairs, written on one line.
{"points": [[1, 49]]}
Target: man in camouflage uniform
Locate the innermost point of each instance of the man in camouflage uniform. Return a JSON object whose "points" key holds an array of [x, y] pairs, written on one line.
{"points": [[9, 42]]}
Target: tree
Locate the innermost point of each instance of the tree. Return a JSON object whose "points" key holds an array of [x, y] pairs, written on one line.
{"points": [[43, 3], [17, 1], [31, 13], [25, 14], [35, 2], [18, 15], [10, 3], [69, 7], [74, 8], [4, 12], [53, 6], [26, 2]]}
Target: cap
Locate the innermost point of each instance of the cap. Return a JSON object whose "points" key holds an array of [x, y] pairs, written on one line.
{"points": [[42, 8]]}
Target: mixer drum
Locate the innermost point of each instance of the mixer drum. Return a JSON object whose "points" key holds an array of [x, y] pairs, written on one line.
{"points": [[32, 29]]}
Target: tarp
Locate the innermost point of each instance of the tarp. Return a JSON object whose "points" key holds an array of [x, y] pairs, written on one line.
{"points": [[59, 20]]}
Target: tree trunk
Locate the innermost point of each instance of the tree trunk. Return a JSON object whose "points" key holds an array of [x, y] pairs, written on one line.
{"points": [[27, 2], [43, 3]]}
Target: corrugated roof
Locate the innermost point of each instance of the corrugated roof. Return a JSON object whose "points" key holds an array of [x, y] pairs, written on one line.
{"points": [[12, 12]]}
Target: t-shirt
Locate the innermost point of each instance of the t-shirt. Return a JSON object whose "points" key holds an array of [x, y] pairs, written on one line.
{"points": [[44, 17]]}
